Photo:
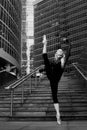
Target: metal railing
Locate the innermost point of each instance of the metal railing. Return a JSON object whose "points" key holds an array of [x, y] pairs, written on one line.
{"points": [[5, 70], [16, 84], [77, 68]]}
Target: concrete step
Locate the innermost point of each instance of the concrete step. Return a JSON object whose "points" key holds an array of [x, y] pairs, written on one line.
{"points": [[33, 114], [39, 105]]}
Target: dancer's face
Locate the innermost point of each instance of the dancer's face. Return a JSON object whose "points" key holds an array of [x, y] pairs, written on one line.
{"points": [[58, 54]]}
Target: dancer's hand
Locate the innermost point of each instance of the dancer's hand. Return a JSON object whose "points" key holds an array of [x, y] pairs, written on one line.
{"points": [[65, 40], [44, 40]]}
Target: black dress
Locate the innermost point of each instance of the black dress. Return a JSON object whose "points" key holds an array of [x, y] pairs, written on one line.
{"points": [[54, 72]]}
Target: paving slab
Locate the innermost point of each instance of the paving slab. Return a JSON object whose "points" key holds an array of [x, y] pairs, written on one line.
{"points": [[70, 125]]}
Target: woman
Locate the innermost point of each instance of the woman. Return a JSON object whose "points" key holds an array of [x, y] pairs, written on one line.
{"points": [[54, 72]]}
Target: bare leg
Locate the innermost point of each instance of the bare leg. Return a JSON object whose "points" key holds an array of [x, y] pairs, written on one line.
{"points": [[56, 106]]}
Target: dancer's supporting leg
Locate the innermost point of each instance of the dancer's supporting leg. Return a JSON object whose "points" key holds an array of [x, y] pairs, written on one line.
{"points": [[56, 106], [55, 100]]}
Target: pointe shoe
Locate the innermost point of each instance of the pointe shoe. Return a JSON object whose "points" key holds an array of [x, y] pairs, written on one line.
{"points": [[58, 119]]}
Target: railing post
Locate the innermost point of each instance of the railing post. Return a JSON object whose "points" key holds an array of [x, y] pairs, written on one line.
{"points": [[11, 112], [39, 79], [22, 94], [35, 81], [30, 85]]}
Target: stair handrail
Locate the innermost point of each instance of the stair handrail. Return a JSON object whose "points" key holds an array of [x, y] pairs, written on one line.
{"points": [[19, 81], [79, 65], [5, 70], [76, 67]]}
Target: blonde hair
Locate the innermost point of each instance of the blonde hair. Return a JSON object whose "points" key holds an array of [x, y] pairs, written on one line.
{"points": [[60, 52]]}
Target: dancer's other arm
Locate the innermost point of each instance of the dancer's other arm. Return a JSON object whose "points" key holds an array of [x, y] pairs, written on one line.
{"points": [[68, 51], [66, 57]]}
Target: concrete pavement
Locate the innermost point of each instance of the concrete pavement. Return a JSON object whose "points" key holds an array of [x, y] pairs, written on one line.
{"points": [[72, 125]]}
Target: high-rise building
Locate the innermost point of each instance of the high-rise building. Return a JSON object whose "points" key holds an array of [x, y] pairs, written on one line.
{"points": [[60, 19], [27, 36], [10, 34], [23, 39]]}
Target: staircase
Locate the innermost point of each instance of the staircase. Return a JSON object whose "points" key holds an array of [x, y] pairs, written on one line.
{"points": [[38, 104]]}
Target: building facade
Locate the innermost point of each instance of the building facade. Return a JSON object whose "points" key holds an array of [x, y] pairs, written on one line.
{"points": [[30, 34], [27, 36], [23, 39], [60, 19], [10, 34]]}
